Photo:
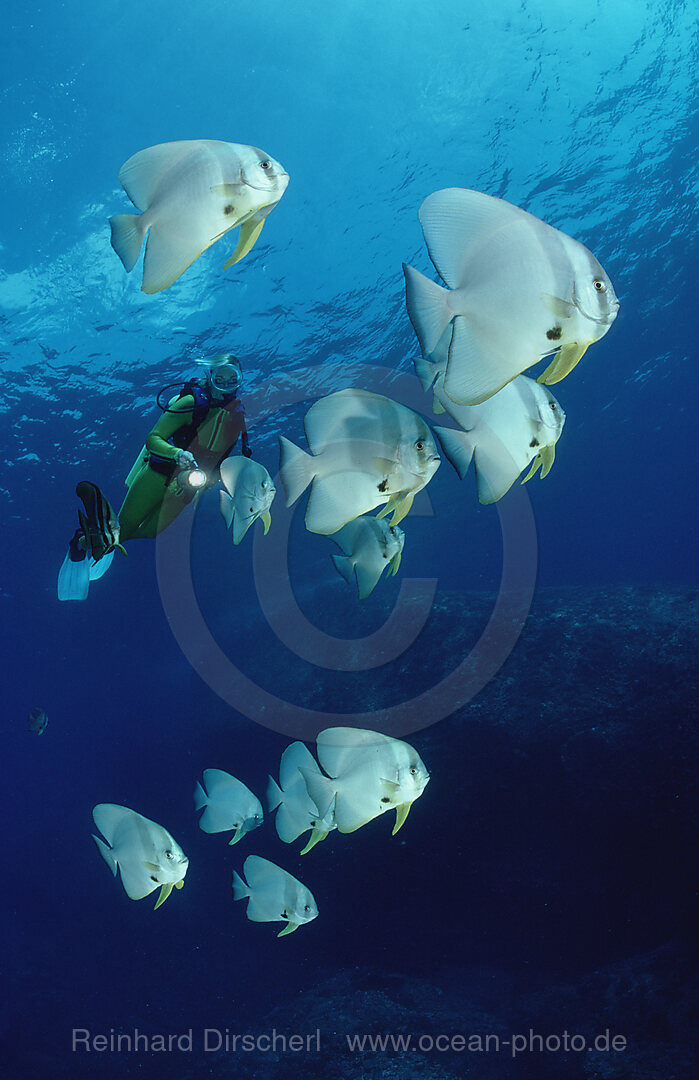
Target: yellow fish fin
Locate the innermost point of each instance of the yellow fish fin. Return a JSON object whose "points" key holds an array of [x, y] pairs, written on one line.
{"points": [[179, 884], [288, 929], [266, 520], [249, 232], [563, 362], [395, 563], [402, 812], [316, 836], [165, 891], [533, 467], [237, 835], [547, 456], [402, 508]]}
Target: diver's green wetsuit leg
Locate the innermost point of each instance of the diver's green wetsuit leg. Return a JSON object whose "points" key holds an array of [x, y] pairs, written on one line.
{"points": [[148, 507]]}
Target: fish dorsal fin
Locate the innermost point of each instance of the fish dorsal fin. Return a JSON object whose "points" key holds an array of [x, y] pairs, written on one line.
{"points": [[456, 222], [218, 782], [230, 470], [109, 816], [325, 422], [261, 873], [144, 171], [295, 757], [338, 746]]}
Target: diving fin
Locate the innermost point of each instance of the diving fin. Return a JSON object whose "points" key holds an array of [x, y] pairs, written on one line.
{"points": [[74, 575]]}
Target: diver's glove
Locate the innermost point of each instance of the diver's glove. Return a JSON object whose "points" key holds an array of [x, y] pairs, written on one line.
{"points": [[245, 446], [185, 460]]}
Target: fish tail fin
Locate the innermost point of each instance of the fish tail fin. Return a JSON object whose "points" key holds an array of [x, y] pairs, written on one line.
{"points": [[227, 508], [200, 797], [127, 238], [428, 308], [240, 889], [425, 370], [106, 853], [344, 566], [296, 469], [458, 448], [320, 788], [274, 794]]}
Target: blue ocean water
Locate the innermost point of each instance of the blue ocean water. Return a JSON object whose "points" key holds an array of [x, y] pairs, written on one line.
{"points": [[551, 846]]}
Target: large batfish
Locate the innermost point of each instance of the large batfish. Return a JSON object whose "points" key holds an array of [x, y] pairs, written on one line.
{"points": [[143, 851], [515, 428], [366, 451], [518, 290], [228, 805], [369, 547], [368, 774], [274, 895], [248, 496], [192, 193]]}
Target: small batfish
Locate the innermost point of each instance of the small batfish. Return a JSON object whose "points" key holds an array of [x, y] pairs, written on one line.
{"points": [[228, 803], [370, 546], [296, 811], [99, 523], [369, 774], [248, 495], [518, 290], [515, 428], [273, 895], [37, 721], [191, 193], [366, 451], [144, 853]]}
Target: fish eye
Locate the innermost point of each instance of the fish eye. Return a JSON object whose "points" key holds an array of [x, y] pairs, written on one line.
{"points": [[169, 855], [308, 907], [599, 285], [265, 164], [413, 771], [419, 445]]}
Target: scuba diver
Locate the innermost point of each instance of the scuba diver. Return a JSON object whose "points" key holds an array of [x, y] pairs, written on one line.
{"points": [[182, 456]]}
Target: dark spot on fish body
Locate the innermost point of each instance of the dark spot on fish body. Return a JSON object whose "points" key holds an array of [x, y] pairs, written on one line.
{"points": [[534, 442], [554, 333], [385, 799], [154, 878], [229, 209], [384, 484]]}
